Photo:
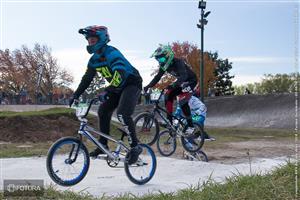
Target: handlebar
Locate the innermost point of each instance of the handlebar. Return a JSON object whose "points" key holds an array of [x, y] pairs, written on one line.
{"points": [[89, 106]]}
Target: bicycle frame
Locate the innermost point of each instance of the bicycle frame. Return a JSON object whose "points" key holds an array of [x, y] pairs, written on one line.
{"points": [[158, 109], [85, 130]]}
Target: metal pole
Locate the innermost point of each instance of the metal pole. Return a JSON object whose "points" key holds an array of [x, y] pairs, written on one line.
{"points": [[40, 74], [202, 58]]}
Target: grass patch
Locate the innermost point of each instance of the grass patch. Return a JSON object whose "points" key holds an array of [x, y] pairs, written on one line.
{"points": [[51, 111], [250, 133], [277, 185], [15, 150], [225, 135]]}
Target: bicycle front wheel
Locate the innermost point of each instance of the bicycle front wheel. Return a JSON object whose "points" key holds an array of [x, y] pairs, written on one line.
{"points": [[68, 161], [146, 128], [194, 142], [166, 143], [143, 170], [201, 156]]}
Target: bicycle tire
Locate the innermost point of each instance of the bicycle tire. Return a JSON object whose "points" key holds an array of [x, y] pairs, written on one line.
{"points": [[171, 140], [142, 180], [201, 156], [196, 140], [49, 161], [150, 136]]}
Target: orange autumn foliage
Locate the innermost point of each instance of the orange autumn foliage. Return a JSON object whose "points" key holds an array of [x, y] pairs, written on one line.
{"points": [[191, 54]]}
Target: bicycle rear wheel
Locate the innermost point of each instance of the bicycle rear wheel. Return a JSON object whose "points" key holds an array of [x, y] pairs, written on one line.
{"points": [[194, 142], [68, 161], [143, 170], [146, 128], [166, 143], [201, 156]]}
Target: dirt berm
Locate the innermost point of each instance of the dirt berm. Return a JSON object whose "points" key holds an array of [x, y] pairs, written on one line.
{"points": [[39, 128], [261, 111]]}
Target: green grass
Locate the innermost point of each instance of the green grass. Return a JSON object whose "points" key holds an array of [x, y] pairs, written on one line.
{"points": [[51, 111], [225, 135], [14, 150], [277, 185], [250, 133]]}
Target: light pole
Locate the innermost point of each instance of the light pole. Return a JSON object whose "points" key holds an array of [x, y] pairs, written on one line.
{"points": [[202, 22], [39, 78]]}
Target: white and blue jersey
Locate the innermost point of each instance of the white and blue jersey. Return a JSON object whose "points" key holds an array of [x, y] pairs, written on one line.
{"points": [[198, 110]]}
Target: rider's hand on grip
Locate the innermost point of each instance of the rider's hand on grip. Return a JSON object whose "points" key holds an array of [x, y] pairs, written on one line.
{"points": [[73, 100]]}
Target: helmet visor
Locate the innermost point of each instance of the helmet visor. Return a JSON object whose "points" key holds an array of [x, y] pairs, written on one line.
{"points": [[87, 33]]}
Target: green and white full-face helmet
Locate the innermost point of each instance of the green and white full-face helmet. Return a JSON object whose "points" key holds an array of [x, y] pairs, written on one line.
{"points": [[164, 55]]}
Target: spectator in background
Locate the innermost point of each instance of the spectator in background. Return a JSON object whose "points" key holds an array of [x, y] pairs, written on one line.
{"points": [[209, 92], [23, 95], [50, 97], [247, 91]]}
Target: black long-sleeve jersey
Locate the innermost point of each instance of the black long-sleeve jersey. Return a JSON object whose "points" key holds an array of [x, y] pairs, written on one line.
{"points": [[179, 69]]}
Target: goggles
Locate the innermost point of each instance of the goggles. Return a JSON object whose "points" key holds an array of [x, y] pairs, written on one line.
{"points": [[161, 59]]}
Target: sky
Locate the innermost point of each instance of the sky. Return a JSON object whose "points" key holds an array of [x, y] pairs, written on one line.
{"points": [[258, 37]]}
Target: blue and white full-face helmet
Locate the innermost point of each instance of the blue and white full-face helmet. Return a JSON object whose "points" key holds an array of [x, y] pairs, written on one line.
{"points": [[98, 31]]}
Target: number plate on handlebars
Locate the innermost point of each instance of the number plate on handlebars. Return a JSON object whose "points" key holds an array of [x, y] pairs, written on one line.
{"points": [[81, 109]]}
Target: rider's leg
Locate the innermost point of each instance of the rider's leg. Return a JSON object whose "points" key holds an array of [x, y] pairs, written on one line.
{"points": [[169, 99], [187, 113], [207, 137], [105, 112], [184, 98], [126, 107], [127, 103]]}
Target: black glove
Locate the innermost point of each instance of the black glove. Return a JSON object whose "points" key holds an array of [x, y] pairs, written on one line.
{"points": [[73, 100], [103, 96]]}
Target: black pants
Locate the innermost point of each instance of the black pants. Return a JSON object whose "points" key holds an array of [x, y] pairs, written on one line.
{"points": [[125, 102]]}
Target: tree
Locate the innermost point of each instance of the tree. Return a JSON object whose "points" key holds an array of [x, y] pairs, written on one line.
{"points": [[223, 83], [278, 83], [19, 70], [11, 73]]}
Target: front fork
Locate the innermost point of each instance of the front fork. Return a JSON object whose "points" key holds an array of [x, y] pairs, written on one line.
{"points": [[71, 160]]}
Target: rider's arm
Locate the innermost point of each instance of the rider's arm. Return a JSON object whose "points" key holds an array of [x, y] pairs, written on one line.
{"points": [[183, 75], [156, 78], [85, 81]]}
